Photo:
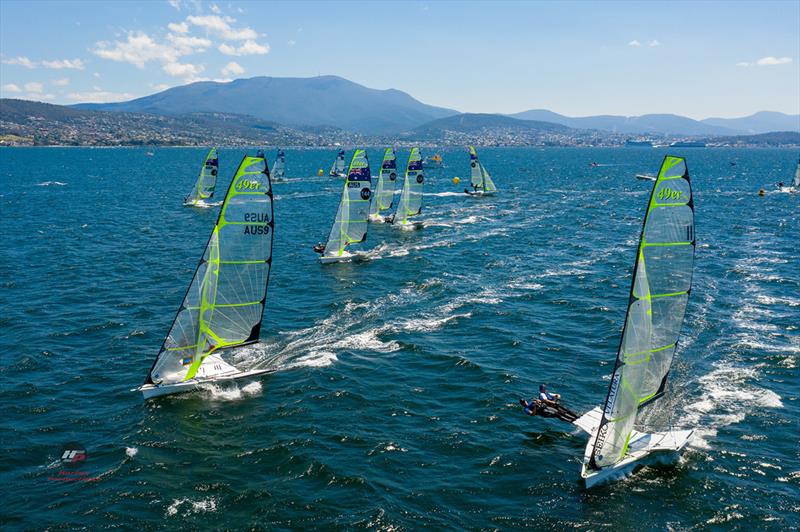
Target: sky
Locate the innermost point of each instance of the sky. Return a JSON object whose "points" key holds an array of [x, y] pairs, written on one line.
{"points": [[697, 59]]}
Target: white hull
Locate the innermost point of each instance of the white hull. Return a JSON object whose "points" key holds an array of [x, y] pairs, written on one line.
{"points": [[344, 257], [213, 370], [643, 449], [645, 177], [480, 193], [377, 218]]}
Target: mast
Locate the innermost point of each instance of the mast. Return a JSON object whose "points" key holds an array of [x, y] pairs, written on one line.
{"points": [[350, 224], [662, 280], [224, 304]]}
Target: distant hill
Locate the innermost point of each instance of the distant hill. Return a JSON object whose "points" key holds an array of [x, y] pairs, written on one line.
{"points": [[773, 138], [761, 122], [319, 101], [660, 124], [37, 123], [475, 122]]}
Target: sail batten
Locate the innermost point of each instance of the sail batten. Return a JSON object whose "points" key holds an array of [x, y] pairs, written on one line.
{"points": [[224, 304], [206, 181], [659, 295], [350, 224], [410, 203]]}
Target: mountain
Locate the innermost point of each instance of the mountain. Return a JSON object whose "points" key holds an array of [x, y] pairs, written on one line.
{"points": [[319, 101], [489, 129], [761, 122], [655, 124]]}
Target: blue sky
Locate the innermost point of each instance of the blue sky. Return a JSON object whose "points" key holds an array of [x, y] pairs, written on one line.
{"points": [[697, 59]]}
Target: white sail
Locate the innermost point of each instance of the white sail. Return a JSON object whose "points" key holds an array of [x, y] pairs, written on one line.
{"points": [[207, 180], [279, 168], [224, 305], [480, 179], [796, 182], [383, 196], [350, 224], [410, 203], [337, 168], [662, 280]]}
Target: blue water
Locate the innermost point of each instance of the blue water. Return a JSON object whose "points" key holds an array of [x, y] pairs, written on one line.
{"points": [[395, 403]]}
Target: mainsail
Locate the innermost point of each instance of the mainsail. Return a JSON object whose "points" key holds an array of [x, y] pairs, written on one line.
{"points": [[383, 197], [224, 304], [207, 180], [796, 182], [350, 225], [337, 168], [279, 168], [662, 280], [479, 178], [410, 203]]}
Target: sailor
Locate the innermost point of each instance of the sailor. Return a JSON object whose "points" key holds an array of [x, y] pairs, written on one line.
{"points": [[780, 185], [319, 248], [550, 399]]}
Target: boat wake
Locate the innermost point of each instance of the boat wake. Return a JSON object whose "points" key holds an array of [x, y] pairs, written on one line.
{"points": [[51, 184]]}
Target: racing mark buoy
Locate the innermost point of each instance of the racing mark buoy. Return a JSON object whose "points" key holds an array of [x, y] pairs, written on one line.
{"points": [[320, 172], [456, 180], [761, 192]]}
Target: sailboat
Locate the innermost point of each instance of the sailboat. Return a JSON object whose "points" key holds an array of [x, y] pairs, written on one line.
{"points": [[337, 168], [206, 182], [481, 181], [350, 224], [410, 203], [662, 281], [224, 304], [383, 197], [795, 182], [279, 168]]}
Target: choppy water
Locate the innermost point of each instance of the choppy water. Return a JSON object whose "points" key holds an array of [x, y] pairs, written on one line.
{"points": [[396, 402]]}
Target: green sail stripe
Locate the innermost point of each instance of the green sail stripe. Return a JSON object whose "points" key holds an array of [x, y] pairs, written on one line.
{"points": [[665, 244], [230, 305]]}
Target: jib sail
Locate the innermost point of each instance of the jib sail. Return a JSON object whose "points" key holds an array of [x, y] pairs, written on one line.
{"points": [[662, 280], [224, 304]]}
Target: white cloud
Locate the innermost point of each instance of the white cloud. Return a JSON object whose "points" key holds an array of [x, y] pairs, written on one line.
{"points": [[63, 82], [248, 48], [232, 69], [76, 64], [21, 61], [654, 43], [96, 74], [183, 70], [771, 61], [99, 96], [744, 64], [161, 86], [180, 27], [10, 87], [222, 27], [138, 49], [215, 8], [187, 44], [175, 3], [34, 87], [634, 43], [291, 42]]}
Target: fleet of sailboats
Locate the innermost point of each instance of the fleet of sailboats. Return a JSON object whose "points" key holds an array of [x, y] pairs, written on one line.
{"points": [[224, 304]]}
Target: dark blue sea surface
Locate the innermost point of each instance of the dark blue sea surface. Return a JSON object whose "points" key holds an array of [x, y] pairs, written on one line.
{"points": [[395, 403]]}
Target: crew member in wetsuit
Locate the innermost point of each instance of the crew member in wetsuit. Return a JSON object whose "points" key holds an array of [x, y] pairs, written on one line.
{"points": [[319, 248], [547, 405]]}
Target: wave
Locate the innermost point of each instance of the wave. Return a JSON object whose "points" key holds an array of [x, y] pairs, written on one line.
{"points": [[51, 184]]}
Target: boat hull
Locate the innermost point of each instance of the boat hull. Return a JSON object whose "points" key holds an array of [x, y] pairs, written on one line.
{"points": [[344, 257], [213, 371]]}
